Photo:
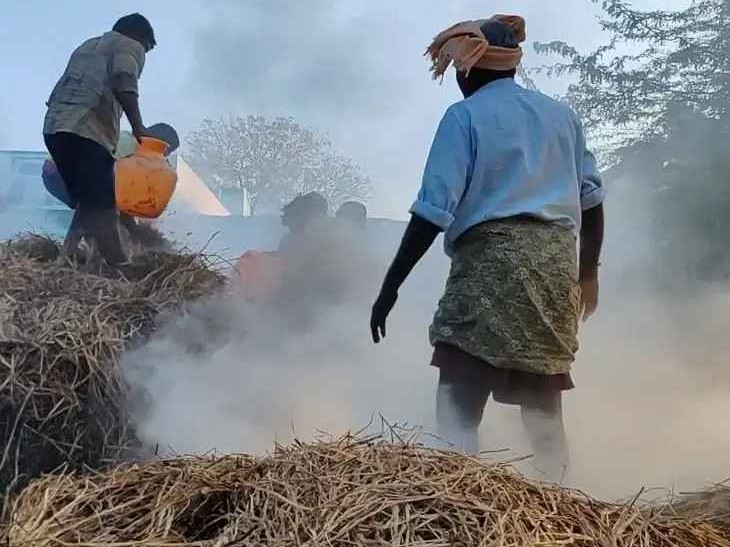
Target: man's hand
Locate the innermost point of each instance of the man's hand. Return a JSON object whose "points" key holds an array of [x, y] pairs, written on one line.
{"points": [[381, 309], [589, 295], [139, 132]]}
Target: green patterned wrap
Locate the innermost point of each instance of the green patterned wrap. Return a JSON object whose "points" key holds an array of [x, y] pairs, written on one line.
{"points": [[512, 297]]}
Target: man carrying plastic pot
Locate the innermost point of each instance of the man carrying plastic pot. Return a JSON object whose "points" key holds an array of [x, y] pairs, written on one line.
{"points": [[82, 125], [126, 146]]}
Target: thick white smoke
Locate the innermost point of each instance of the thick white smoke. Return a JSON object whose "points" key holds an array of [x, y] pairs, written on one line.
{"points": [[653, 386]]}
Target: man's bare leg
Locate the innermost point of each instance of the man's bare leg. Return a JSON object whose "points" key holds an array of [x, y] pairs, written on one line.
{"points": [[543, 420], [104, 230], [74, 234], [460, 402]]}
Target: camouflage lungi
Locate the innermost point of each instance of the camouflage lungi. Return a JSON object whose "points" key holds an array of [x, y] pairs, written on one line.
{"points": [[512, 298]]}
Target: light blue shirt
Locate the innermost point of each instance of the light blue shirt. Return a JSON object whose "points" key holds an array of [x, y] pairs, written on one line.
{"points": [[507, 151]]}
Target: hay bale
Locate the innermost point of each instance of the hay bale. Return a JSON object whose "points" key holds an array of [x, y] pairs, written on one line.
{"points": [[712, 504], [337, 493], [62, 331], [36, 247], [144, 239]]}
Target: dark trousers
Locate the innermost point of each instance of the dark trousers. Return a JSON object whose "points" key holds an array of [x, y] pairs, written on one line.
{"points": [[87, 168]]}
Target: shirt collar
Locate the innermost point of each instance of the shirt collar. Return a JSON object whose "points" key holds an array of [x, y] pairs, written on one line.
{"points": [[502, 83]]}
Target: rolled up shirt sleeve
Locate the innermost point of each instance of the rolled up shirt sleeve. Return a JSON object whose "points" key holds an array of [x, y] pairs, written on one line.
{"points": [[125, 73], [448, 170], [592, 192]]}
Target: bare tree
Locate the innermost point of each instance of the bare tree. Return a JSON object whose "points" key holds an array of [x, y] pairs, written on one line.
{"points": [[273, 160]]}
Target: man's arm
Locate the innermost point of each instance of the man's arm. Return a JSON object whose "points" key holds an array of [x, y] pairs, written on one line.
{"points": [[418, 238], [125, 83], [591, 241], [130, 104], [592, 194], [449, 167]]}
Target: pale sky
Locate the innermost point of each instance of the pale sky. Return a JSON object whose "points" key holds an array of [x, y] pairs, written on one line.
{"points": [[350, 68]]}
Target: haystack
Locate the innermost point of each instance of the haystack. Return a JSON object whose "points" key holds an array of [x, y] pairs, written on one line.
{"points": [[62, 331], [346, 492], [712, 504]]}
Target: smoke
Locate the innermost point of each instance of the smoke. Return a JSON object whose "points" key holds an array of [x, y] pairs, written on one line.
{"points": [[272, 54], [653, 385], [232, 376], [652, 391], [347, 69]]}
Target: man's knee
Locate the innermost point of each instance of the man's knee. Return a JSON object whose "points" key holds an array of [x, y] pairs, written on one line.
{"points": [[461, 401], [546, 404]]}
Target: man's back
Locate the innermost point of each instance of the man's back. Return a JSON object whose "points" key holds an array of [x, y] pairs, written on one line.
{"points": [[505, 152], [527, 153], [83, 100]]}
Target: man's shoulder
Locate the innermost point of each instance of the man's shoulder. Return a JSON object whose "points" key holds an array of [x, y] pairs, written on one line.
{"points": [[89, 44], [460, 110], [550, 102], [119, 43]]}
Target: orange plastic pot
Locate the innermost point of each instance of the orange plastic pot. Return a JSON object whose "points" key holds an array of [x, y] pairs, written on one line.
{"points": [[144, 181], [259, 275]]}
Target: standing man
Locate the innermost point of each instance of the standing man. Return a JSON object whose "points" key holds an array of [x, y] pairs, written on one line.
{"points": [[510, 182], [126, 146], [82, 125]]}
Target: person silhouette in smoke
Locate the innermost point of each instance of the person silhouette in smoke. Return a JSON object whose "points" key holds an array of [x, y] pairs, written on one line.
{"points": [[302, 254], [320, 270], [303, 217]]}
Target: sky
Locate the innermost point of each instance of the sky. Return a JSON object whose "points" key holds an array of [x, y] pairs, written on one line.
{"points": [[352, 69]]}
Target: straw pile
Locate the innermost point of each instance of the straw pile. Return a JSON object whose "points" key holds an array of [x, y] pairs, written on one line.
{"points": [[62, 331], [712, 504], [337, 493]]}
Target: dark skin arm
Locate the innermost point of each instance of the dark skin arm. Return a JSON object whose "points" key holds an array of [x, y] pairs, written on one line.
{"points": [[591, 242], [130, 104], [418, 238]]}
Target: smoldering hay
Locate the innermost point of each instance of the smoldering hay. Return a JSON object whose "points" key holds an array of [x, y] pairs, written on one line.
{"points": [[339, 492], [63, 328]]}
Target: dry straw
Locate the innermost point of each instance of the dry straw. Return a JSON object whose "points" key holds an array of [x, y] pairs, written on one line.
{"points": [[62, 331], [712, 504], [338, 493]]}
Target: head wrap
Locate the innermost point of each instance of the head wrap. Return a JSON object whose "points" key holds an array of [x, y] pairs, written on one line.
{"points": [[492, 44]]}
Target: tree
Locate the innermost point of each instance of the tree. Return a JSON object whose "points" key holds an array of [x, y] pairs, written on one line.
{"points": [[656, 96], [273, 161], [678, 59]]}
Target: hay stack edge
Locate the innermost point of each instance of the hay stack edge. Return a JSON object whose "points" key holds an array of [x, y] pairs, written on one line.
{"points": [[63, 328], [73, 475]]}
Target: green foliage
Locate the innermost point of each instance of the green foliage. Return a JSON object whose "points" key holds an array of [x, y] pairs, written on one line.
{"points": [[653, 62], [656, 96]]}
